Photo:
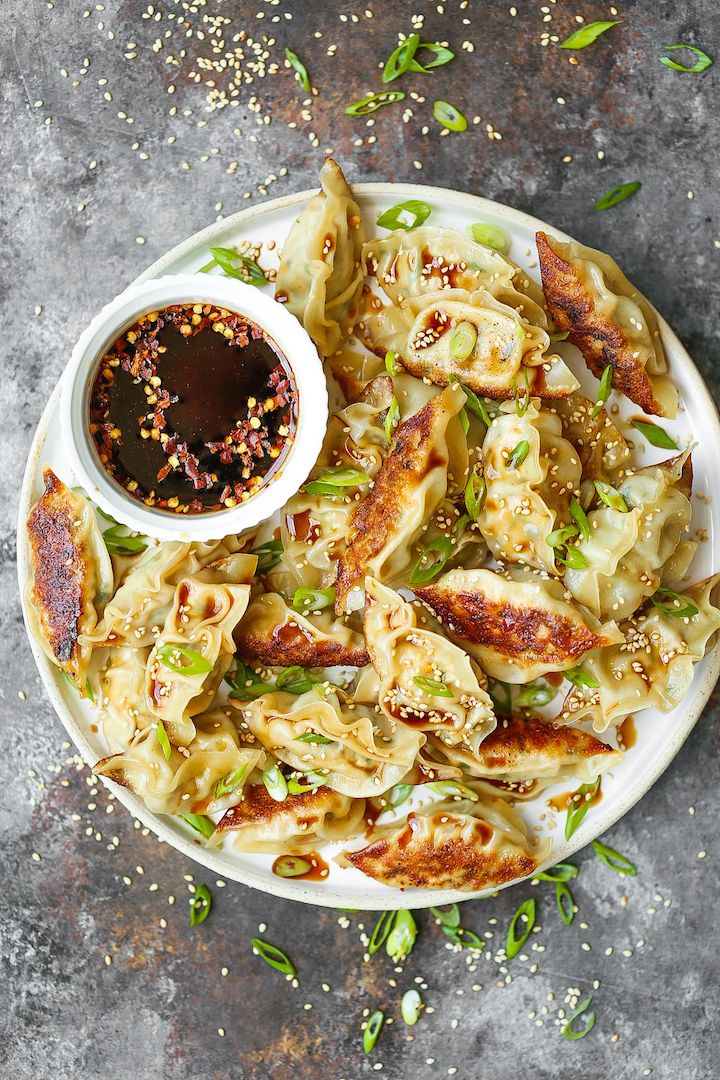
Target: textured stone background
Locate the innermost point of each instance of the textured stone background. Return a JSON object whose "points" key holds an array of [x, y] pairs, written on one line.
{"points": [[69, 244]]}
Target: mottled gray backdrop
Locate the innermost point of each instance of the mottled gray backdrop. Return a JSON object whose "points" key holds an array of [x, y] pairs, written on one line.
{"points": [[109, 157]]}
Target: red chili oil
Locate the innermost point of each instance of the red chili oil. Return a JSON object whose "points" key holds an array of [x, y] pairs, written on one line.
{"points": [[193, 409]]}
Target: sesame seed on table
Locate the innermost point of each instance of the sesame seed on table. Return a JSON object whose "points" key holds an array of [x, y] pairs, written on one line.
{"points": [[128, 126]]}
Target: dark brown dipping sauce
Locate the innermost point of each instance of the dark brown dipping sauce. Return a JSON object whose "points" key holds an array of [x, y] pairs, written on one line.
{"points": [[193, 409]]}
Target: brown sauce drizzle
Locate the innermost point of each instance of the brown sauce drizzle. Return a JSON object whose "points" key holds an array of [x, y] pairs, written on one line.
{"points": [[627, 734]]}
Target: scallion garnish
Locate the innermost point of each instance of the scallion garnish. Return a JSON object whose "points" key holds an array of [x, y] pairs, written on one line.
{"points": [[246, 684], [296, 788], [573, 558], [405, 215], [230, 783], [603, 390], [183, 660], [491, 236], [273, 956], [200, 823], [475, 495], [402, 936], [200, 905], [392, 419], [297, 680], [679, 606], [655, 435], [450, 117], [578, 677], [447, 918], [562, 871], [400, 59], [433, 687], [579, 805], [522, 398], [475, 405], [442, 55], [518, 455], [613, 859], [275, 783], [569, 1032], [372, 1029], [89, 692], [391, 363], [463, 340], [501, 705], [312, 737], [301, 72], [562, 335], [268, 554], [118, 542], [464, 420], [525, 915], [381, 930], [580, 518], [703, 60], [333, 481], [402, 794], [534, 695], [410, 1007], [373, 102], [307, 599], [565, 902], [585, 36], [235, 265], [291, 866], [431, 561], [467, 939], [162, 738], [454, 789], [617, 195], [611, 496]]}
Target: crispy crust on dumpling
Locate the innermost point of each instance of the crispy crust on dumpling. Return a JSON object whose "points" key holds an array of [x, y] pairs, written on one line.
{"points": [[258, 807], [275, 635], [517, 742]]}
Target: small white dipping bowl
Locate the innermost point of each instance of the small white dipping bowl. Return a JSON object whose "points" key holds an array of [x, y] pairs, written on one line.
{"points": [[291, 339]]}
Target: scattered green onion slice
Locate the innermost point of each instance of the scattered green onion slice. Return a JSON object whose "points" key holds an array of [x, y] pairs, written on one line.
{"points": [[519, 454], [533, 696], [276, 784], [587, 34], [559, 537], [392, 419], [193, 663], [459, 935], [235, 265], [372, 1030], [525, 915], [89, 692], [450, 117], [400, 59], [613, 859], [463, 340], [301, 72], [565, 902], [291, 866], [162, 738], [230, 783], [381, 930], [200, 905], [307, 599], [475, 495], [603, 390], [611, 496], [431, 561], [442, 56], [410, 1007], [491, 236], [119, 543], [522, 399], [454, 789], [501, 705], [617, 195], [405, 215], [655, 435], [578, 677], [447, 918], [569, 1032], [246, 684], [562, 871], [342, 477], [297, 680], [402, 794], [313, 737], [273, 956], [200, 823], [269, 555], [580, 518], [679, 606], [573, 558], [475, 405], [373, 102], [703, 60], [391, 364], [433, 687], [402, 936], [296, 788], [579, 805], [464, 420]]}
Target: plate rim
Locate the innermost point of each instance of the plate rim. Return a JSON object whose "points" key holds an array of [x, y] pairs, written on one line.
{"points": [[595, 825]]}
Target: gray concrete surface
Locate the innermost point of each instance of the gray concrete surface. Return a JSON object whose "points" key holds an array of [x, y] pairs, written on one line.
{"points": [[105, 978]]}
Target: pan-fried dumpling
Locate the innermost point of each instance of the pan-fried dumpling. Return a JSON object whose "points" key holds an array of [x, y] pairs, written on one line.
{"points": [[320, 276], [409, 487], [121, 696], [71, 576], [628, 549], [356, 435], [209, 777], [313, 531], [359, 751], [297, 825], [602, 448], [425, 680], [195, 647], [653, 668], [531, 752], [531, 473], [278, 636], [456, 844], [609, 321], [518, 626]]}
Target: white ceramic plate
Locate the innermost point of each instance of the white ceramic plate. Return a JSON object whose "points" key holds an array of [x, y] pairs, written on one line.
{"points": [[659, 737]]}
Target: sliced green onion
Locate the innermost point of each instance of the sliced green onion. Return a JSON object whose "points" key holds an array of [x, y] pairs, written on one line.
{"points": [[296, 680], [559, 537], [565, 902], [522, 400], [119, 543], [613, 859], [89, 692], [475, 405], [336, 478], [519, 454], [475, 495], [679, 606], [410, 1007], [402, 794], [501, 705], [381, 930], [230, 783], [296, 788], [580, 518], [587, 34], [433, 687], [307, 599], [391, 364], [372, 1030], [200, 823], [463, 340], [400, 59], [562, 871], [533, 696], [313, 738], [405, 215], [617, 195], [603, 390], [569, 1032], [268, 554], [467, 939], [392, 419], [491, 236], [703, 60], [579, 805], [655, 434], [447, 918], [200, 905], [450, 117], [464, 420], [578, 677], [431, 561], [235, 265], [162, 738], [291, 866], [246, 684], [402, 936], [172, 653], [611, 496], [525, 915], [276, 784], [373, 102], [442, 56], [454, 789], [273, 956], [301, 72], [573, 558]]}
